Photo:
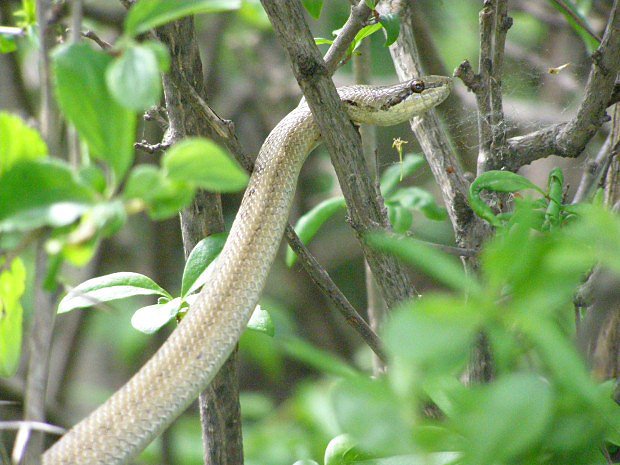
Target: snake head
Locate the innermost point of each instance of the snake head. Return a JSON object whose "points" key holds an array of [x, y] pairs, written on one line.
{"points": [[389, 105]]}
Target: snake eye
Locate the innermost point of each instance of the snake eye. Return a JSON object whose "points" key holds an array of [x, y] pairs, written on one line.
{"points": [[417, 86]]}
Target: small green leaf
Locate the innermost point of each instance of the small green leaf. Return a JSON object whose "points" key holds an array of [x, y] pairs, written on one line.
{"points": [[556, 198], [444, 268], [7, 43], [107, 127], [151, 318], [503, 420], [109, 287], [393, 175], [322, 41], [419, 199], [12, 287], [18, 142], [343, 450], [362, 34], [163, 197], [371, 4], [309, 224], [39, 193], [496, 181], [133, 78], [261, 322], [199, 259], [204, 164], [400, 218], [148, 14], [391, 24], [313, 7]]}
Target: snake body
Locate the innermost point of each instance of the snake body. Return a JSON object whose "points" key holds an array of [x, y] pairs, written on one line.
{"points": [[187, 362]]}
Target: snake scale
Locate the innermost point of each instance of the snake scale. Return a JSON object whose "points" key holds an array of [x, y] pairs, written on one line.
{"points": [[186, 363]]}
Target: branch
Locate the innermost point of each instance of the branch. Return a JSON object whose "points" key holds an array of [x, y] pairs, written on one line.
{"points": [[503, 22], [365, 211], [570, 138]]}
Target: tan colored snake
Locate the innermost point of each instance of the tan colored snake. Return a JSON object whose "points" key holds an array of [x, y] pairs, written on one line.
{"points": [[187, 362]]}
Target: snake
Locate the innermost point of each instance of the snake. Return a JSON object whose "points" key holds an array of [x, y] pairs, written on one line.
{"points": [[189, 359]]}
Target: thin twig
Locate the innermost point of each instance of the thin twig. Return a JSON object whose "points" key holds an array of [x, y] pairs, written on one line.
{"points": [[503, 22], [375, 307], [92, 35], [32, 425], [12, 31]]}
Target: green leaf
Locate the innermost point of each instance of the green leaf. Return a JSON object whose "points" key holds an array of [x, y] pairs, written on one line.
{"points": [[313, 7], [433, 334], [343, 450], [253, 14], [151, 318], [7, 43], [504, 420], [133, 78], [419, 199], [199, 259], [204, 164], [261, 322], [109, 287], [556, 198], [366, 31], [18, 142], [161, 54], [148, 14], [309, 224], [444, 268], [496, 181], [400, 218], [392, 176], [163, 197], [12, 287], [590, 42], [371, 4], [391, 24], [371, 413], [319, 359], [39, 193], [322, 41], [107, 127], [93, 177]]}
